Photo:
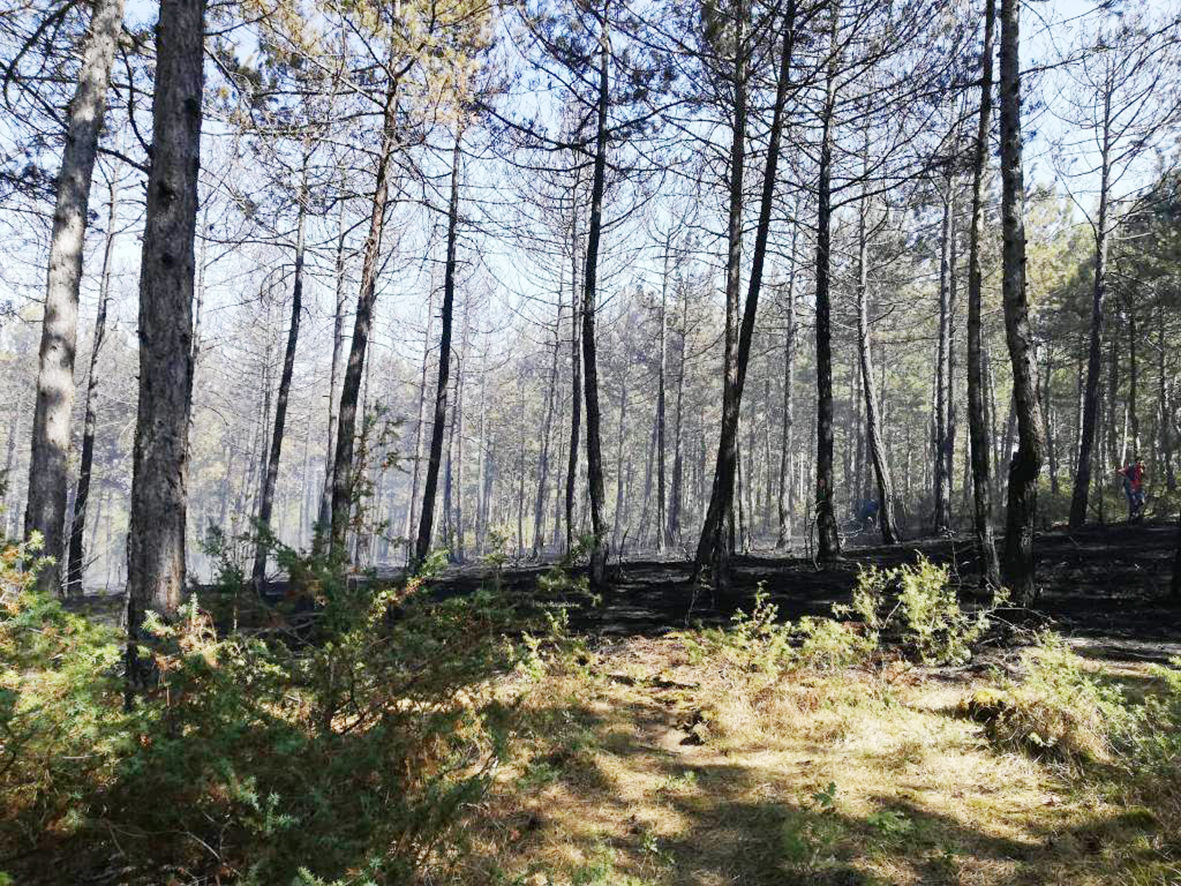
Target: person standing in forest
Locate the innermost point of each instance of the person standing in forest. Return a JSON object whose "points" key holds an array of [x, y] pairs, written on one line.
{"points": [[1133, 483]]}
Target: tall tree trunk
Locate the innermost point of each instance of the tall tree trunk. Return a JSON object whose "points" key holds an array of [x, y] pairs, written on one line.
{"points": [[420, 424], [877, 449], [156, 535], [575, 372], [594, 456], [786, 501], [258, 479], [82, 495], [271, 477], [949, 436], [546, 428], [342, 470], [440, 420], [449, 451], [767, 487], [482, 455], [662, 537], [676, 491], [829, 540], [942, 522], [48, 469], [711, 550], [978, 427], [1048, 419], [9, 515], [324, 518], [1024, 468], [458, 419], [1166, 413], [1113, 435], [1133, 382], [642, 535], [619, 484], [521, 465], [739, 518], [305, 485], [1082, 480]]}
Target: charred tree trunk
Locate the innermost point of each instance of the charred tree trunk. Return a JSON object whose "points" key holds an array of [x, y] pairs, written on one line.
{"points": [[676, 490], [594, 456], [343, 484], [1048, 419], [439, 425], [8, 525], [482, 455], [1133, 382], [575, 374], [270, 478], [521, 466], [711, 549], [661, 506], [942, 522], [1027, 462], [156, 535], [324, 517], [458, 419], [76, 566], [877, 449], [978, 426], [546, 429], [786, 501], [1166, 412], [45, 511], [829, 547], [952, 416], [1082, 480], [619, 476], [419, 426]]}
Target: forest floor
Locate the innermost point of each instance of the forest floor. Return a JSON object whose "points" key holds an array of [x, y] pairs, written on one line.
{"points": [[1105, 586], [645, 762], [653, 765]]}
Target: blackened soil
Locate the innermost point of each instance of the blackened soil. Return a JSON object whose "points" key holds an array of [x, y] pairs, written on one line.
{"points": [[1105, 585]]}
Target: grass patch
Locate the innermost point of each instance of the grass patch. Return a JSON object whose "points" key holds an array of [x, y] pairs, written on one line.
{"points": [[861, 775]]}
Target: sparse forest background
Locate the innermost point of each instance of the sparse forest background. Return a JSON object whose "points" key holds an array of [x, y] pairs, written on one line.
{"points": [[596, 443], [290, 140]]}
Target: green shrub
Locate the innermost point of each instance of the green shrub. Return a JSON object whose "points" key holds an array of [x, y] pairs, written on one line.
{"points": [[828, 645], [352, 748], [917, 602], [759, 642], [59, 702], [1058, 710], [756, 641]]}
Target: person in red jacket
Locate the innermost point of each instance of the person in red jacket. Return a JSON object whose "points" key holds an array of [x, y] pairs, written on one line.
{"points": [[1133, 476]]}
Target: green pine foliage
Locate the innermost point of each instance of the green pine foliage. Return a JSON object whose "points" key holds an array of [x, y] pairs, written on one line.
{"points": [[350, 749]]}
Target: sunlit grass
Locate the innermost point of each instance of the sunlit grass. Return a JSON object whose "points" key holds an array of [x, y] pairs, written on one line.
{"points": [[658, 771]]}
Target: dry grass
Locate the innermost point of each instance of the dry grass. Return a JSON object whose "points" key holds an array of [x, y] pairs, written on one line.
{"points": [[643, 769]]}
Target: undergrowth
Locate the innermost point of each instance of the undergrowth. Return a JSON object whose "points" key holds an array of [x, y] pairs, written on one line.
{"points": [[914, 605], [1060, 711], [347, 750]]}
